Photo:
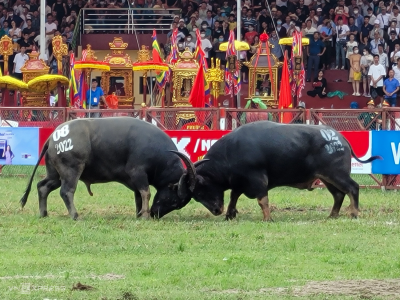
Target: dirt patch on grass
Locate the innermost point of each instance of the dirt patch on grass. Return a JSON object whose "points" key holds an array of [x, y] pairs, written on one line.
{"points": [[366, 289]]}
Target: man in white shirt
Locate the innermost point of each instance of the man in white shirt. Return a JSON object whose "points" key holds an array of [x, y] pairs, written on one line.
{"points": [[396, 69], [383, 18], [395, 15], [342, 33], [395, 55], [19, 61], [383, 59], [376, 74], [50, 27], [206, 45]]}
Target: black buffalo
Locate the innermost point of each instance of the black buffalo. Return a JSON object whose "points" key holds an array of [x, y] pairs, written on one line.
{"points": [[122, 149], [263, 155]]}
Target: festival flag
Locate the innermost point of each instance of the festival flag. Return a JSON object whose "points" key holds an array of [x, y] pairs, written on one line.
{"points": [[161, 76], [73, 87], [83, 87], [200, 56], [297, 82], [229, 79], [285, 99], [197, 95]]}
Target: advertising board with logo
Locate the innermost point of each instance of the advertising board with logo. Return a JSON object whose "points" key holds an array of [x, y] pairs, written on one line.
{"points": [[26, 144], [19, 145]]}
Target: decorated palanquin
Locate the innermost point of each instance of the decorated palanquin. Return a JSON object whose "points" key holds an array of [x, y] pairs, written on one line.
{"points": [[263, 75], [119, 80], [33, 68], [184, 72]]}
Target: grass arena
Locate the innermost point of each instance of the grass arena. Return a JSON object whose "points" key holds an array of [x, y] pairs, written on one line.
{"points": [[190, 254]]}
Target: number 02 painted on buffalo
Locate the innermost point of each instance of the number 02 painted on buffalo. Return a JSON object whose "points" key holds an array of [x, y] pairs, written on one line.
{"points": [[62, 132]]}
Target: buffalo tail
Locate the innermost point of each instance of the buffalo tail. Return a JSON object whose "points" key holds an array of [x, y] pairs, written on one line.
{"points": [[24, 198], [372, 158]]}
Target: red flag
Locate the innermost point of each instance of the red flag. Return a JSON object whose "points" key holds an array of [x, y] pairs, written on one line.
{"points": [[197, 95], [285, 99]]}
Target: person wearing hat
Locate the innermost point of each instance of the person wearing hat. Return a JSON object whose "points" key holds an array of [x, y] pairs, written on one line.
{"points": [[368, 120], [376, 29], [390, 87], [182, 27]]}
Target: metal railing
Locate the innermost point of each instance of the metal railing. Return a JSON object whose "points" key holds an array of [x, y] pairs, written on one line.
{"points": [[127, 20], [214, 119]]}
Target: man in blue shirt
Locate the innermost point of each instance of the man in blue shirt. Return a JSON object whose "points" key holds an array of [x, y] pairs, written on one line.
{"points": [[93, 98], [390, 88], [315, 50]]}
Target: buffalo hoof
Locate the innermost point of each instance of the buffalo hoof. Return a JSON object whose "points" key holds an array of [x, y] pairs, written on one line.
{"points": [[44, 214], [270, 220], [230, 215], [333, 216], [75, 217]]}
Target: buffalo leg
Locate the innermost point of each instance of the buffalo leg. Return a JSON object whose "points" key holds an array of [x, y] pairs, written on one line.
{"points": [[351, 188], [232, 211], [145, 194], [46, 186], [338, 197], [67, 192], [138, 201], [264, 204]]}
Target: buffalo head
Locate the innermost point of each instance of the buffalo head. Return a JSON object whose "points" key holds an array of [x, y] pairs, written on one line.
{"points": [[191, 185]]}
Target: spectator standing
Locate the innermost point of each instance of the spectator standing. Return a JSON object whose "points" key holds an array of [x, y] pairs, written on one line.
{"points": [[365, 62], [355, 71], [383, 58], [19, 61], [390, 88], [365, 29], [326, 33], [349, 50], [342, 32], [315, 50], [396, 70], [376, 74], [94, 96], [395, 55]]}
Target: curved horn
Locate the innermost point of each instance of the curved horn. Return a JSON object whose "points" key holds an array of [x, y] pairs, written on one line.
{"points": [[191, 170], [200, 162]]}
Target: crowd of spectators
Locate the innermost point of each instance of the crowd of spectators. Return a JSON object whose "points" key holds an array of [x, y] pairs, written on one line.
{"points": [[344, 35]]}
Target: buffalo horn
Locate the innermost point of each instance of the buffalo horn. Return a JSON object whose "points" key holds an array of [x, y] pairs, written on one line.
{"points": [[191, 170], [200, 162]]}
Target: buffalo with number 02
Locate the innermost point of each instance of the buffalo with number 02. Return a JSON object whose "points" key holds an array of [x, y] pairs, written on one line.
{"points": [[260, 156], [122, 149]]}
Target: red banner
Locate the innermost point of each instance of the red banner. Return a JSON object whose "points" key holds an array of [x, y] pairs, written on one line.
{"points": [[196, 143]]}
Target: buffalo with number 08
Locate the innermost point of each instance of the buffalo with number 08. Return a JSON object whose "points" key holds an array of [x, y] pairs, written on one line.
{"points": [[122, 149], [260, 156]]}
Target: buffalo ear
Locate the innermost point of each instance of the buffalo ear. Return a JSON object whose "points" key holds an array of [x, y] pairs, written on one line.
{"points": [[183, 189]]}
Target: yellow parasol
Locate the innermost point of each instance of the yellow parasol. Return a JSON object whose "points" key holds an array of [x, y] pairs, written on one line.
{"points": [[46, 83], [92, 65], [289, 41], [239, 46], [8, 82]]}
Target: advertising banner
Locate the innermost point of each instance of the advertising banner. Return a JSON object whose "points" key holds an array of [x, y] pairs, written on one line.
{"points": [[361, 142], [387, 145], [195, 143], [19, 145]]}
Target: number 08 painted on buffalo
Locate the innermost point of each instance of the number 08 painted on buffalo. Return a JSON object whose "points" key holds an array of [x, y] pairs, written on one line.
{"points": [[62, 132]]}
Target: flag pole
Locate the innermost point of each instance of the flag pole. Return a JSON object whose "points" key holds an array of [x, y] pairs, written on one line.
{"points": [[238, 28]]}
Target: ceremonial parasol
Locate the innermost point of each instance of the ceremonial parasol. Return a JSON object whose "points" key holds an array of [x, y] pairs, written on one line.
{"points": [[10, 83], [89, 62], [46, 83], [239, 46], [146, 66], [289, 41]]}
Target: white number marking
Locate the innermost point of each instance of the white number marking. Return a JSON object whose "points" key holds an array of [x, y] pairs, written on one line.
{"points": [[64, 146], [333, 144], [62, 132]]}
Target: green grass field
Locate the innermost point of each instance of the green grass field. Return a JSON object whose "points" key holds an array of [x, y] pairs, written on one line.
{"points": [[190, 254]]}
